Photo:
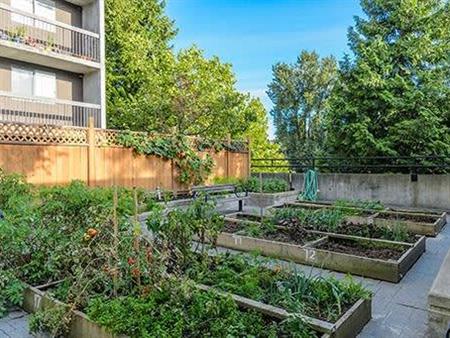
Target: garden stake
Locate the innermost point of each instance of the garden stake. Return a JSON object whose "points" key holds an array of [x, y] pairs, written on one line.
{"points": [[137, 233], [261, 210], [116, 242]]}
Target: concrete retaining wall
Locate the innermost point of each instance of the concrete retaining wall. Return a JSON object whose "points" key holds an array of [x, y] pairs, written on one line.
{"points": [[430, 191], [439, 302]]}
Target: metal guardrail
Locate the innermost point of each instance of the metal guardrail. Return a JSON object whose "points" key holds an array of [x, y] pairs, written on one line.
{"points": [[31, 110], [47, 35], [370, 164]]}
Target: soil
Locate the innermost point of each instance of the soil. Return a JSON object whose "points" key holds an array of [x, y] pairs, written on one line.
{"points": [[349, 228], [232, 227], [406, 217], [296, 235], [364, 249]]}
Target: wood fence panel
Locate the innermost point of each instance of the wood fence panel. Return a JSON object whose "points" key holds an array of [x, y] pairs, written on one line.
{"points": [[45, 164], [50, 155], [238, 165]]}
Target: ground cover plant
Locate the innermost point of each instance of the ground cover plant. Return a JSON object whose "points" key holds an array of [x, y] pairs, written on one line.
{"points": [[90, 240]]}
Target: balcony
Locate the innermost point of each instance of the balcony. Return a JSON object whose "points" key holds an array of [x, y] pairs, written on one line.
{"points": [[29, 38], [31, 110]]}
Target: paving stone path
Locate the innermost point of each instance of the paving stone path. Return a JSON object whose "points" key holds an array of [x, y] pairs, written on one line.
{"points": [[15, 325], [398, 310]]}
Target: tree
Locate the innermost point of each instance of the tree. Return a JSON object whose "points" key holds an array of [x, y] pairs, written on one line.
{"points": [[392, 98], [261, 146], [152, 88], [138, 56], [299, 93], [203, 99]]}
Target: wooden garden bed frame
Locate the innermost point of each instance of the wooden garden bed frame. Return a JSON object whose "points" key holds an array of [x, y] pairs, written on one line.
{"points": [[352, 218], [348, 325], [419, 228], [35, 299], [388, 270]]}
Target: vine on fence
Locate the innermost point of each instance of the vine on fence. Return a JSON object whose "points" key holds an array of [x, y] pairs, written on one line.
{"points": [[193, 168]]}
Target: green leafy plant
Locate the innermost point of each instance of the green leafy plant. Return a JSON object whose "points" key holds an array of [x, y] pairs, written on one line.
{"points": [[90, 240], [272, 185], [322, 219], [361, 204], [11, 291], [320, 297], [193, 168], [53, 320], [398, 232], [175, 231]]}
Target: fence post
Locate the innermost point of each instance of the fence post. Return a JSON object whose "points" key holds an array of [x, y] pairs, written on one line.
{"points": [[228, 155], [249, 157], [91, 152]]}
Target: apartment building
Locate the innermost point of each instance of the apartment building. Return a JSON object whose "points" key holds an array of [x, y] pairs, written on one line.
{"points": [[52, 62]]}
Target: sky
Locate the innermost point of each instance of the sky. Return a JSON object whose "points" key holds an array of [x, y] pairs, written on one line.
{"points": [[253, 35]]}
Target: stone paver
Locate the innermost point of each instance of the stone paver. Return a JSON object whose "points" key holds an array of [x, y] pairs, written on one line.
{"points": [[15, 325], [398, 310]]}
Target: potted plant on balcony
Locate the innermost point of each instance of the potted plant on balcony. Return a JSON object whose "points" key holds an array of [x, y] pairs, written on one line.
{"points": [[30, 41], [17, 35]]}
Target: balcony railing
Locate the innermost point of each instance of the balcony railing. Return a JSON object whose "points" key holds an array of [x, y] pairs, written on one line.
{"points": [[47, 35], [33, 110]]}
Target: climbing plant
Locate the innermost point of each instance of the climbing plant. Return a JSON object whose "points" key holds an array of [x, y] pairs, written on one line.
{"points": [[193, 168]]}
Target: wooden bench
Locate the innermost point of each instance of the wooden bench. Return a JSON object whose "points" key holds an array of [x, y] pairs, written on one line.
{"points": [[207, 192]]}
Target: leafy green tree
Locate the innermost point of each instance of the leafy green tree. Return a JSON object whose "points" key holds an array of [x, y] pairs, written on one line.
{"points": [[393, 96], [299, 93], [149, 87], [203, 98], [261, 146], [138, 58]]}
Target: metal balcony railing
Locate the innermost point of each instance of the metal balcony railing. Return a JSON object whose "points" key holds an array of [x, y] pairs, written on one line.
{"points": [[47, 35], [31, 110]]}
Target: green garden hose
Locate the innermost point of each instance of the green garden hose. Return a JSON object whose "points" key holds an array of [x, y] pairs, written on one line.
{"points": [[310, 186]]}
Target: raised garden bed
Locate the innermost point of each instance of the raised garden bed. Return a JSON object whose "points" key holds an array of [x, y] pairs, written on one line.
{"points": [[265, 200], [349, 325], [421, 224], [354, 215], [397, 234], [375, 258], [284, 293], [35, 299], [427, 224]]}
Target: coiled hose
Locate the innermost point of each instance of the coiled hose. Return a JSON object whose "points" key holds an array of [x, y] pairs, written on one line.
{"points": [[310, 186]]}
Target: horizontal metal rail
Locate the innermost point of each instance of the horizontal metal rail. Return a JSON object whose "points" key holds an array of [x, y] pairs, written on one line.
{"points": [[369, 164], [31, 110], [47, 35]]}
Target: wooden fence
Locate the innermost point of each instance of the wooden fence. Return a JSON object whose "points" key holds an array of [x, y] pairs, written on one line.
{"points": [[51, 155]]}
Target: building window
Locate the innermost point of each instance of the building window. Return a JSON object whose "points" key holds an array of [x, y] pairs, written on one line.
{"points": [[43, 8], [28, 82]]}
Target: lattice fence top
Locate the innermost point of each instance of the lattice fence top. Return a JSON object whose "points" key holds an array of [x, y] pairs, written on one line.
{"points": [[42, 134], [63, 135]]}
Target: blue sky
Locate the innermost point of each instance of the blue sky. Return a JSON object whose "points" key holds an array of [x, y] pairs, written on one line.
{"points": [[253, 35]]}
